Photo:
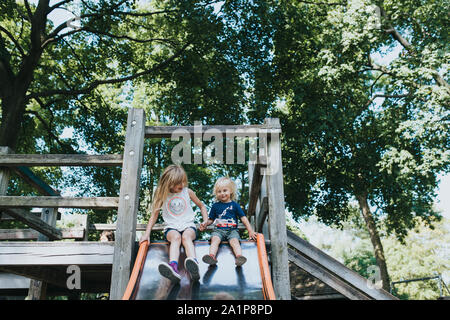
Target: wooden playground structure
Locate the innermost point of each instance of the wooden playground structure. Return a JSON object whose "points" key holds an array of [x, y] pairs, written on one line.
{"points": [[106, 266]]}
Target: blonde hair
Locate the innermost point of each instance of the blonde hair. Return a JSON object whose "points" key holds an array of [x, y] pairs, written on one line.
{"points": [[226, 182], [172, 176]]}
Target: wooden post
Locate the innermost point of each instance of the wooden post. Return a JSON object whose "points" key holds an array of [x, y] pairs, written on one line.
{"points": [[85, 223], [4, 172], [38, 288], [128, 202], [277, 218]]}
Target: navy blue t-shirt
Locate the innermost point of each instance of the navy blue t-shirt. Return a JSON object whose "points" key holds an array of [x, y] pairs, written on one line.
{"points": [[227, 214]]}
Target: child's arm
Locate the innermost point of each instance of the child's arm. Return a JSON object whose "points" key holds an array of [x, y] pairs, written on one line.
{"points": [[199, 204], [150, 224], [251, 233]]}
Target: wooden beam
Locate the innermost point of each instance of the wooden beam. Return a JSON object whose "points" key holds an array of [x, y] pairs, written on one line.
{"points": [[30, 234], [61, 202], [5, 217], [255, 188], [325, 276], [60, 160], [335, 267], [125, 236], [231, 130], [26, 174], [262, 216], [48, 253], [277, 216], [34, 222]]}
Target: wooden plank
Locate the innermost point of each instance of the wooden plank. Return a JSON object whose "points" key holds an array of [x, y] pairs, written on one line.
{"points": [[231, 130], [336, 268], [60, 160], [27, 175], [30, 234], [325, 276], [61, 202], [34, 222], [125, 235], [48, 253], [277, 217]]}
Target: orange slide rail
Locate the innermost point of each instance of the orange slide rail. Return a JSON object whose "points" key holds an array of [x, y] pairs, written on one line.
{"points": [[268, 292], [137, 269]]}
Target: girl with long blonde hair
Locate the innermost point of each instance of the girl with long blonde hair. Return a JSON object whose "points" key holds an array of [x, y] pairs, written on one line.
{"points": [[172, 197]]}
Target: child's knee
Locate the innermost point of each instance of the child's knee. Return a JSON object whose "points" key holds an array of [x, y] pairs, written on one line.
{"points": [[174, 237], [188, 235], [216, 240], [234, 241]]}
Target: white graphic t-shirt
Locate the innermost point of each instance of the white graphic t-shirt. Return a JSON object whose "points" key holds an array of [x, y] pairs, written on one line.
{"points": [[177, 211]]}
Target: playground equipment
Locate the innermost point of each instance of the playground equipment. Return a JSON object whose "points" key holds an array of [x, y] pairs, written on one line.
{"points": [[107, 266], [249, 282]]}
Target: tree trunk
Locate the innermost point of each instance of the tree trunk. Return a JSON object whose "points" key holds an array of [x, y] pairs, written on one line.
{"points": [[375, 239], [14, 96], [11, 120]]}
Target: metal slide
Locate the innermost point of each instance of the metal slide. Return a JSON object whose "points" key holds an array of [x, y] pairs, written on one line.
{"points": [[223, 281]]}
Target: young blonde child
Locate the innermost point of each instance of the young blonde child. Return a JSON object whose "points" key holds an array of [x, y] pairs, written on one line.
{"points": [[172, 196], [226, 213]]}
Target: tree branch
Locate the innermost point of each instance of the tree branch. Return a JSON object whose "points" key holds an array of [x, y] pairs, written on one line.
{"points": [[49, 131], [405, 44], [324, 3], [27, 6], [395, 96], [11, 37], [57, 5], [6, 72], [96, 83]]}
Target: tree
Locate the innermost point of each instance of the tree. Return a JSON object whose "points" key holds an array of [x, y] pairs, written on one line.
{"points": [[55, 69], [356, 129], [177, 60]]}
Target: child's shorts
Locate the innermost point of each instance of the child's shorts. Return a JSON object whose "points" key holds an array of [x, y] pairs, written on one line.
{"points": [[226, 233], [180, 232]]}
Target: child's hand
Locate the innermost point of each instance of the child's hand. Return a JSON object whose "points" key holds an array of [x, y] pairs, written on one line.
{"points": [[144, 237], [202, 226], [252, 235]]}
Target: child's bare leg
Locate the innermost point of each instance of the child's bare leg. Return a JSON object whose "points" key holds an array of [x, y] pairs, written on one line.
{"points": [[174, 239], [187, 239], [214, 247], [240, 259], [236, 246], [190, 263]]}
